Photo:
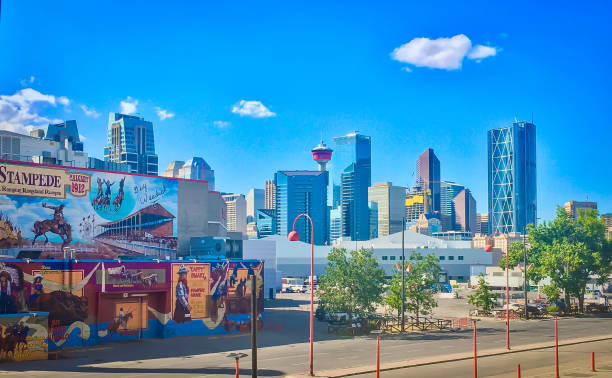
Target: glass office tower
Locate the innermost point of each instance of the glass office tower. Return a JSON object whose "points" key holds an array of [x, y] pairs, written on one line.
{"points": [[352, 169], [300, 192], [130, 141], [428, 178], [512, 177]]}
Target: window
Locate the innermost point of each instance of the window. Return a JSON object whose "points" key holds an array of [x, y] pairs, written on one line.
{"points": [[460, 278], [384, 257], [442, 258], [392, 257], [451, 258], [460, 258]]}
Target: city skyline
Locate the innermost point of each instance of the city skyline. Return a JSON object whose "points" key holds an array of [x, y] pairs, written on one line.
{"points": [[210, 113]]}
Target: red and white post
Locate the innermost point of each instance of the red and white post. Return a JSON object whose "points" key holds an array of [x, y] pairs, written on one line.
{"points": [[475, 353], [556, 349]]}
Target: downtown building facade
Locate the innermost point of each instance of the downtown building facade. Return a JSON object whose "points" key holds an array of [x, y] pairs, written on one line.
{"points": [[389, 208], [195, 168], [236, 212], [576, 208], [130, 141], [255, 200], [353, 171], [302, 192], [512, 185], [428, 179], [270, 195], [465, 212], [448, 191]]}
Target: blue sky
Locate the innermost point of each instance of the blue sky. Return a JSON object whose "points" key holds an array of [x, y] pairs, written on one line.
{"points": [[324, 68]]}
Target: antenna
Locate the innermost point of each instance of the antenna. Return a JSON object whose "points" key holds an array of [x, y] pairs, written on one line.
{"points": [[532, 118]]}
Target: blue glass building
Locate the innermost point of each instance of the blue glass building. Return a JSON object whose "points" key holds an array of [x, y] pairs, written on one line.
{"points": [[266, 222], [130, 140], [353, 169], [300, 192], [512, 177]]}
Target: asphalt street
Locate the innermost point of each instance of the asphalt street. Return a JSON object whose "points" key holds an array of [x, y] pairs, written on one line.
{"points": [[283, 348]]}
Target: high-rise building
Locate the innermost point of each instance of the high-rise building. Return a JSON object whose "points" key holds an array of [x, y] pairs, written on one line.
{"points": [[270, 195], [196, 168], [575, 208], [414, 204], [373, 207], [608, 220], [255, 201], [448, 191], [236, 212], [465, 211], [391, 210], [266, 222], [130, 140], [512, 177], [353, 169], [482, 223], [335, 224], [428, 178], [300, 192]]}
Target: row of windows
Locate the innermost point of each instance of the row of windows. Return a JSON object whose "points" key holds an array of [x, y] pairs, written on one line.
{"points": [[442, 258], [451, 258]]}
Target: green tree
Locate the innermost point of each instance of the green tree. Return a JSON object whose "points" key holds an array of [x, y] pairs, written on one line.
{"points": [[424, 272], [352, 283], [567, 251], [482, 297]]}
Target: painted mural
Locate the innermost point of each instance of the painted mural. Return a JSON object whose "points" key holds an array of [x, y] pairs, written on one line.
{"points": [[97, 214], [23, 337], [93, 301]]}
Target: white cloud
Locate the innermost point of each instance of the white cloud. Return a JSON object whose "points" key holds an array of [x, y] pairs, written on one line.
{"points": [[479, 52], [26, 82], [129, 105], [253, 109], [19, 112], [441, 53], [163, 114], [63, 100], [90, 112], [82, 137], [221, 124]]}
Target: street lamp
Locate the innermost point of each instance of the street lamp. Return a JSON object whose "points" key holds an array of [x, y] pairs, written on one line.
{"points": [[294, 236]]}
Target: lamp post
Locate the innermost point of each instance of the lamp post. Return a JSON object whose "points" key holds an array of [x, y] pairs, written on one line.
{"points": [[294, 236]]}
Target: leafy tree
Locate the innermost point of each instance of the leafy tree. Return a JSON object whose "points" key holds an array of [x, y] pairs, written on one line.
{"points": [[483, 297], [418, 281], [352, 283], [567, 251]]}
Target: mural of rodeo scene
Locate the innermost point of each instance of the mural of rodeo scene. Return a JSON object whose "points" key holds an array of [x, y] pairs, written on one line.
{"points": [[94, 301], [97, 214]]}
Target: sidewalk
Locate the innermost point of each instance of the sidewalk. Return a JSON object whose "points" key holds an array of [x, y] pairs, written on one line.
{"points": [[451, 358]]}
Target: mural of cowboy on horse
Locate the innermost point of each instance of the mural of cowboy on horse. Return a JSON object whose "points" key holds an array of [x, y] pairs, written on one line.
{"points": [[57, 225]]}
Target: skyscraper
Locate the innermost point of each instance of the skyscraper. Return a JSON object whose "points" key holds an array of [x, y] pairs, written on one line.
{"points": [[482, 223], [512, 177], [575, 208], [130, 140], [255, 201], [195, 168], [415, 204], [270, 195], [353, 171], [465, 211], [390, 204], [300, 192], [236, 212], [448, 191], [428, 178]]}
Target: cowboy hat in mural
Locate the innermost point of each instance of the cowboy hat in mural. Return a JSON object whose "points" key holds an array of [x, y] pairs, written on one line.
{"points": [[182, 308]]}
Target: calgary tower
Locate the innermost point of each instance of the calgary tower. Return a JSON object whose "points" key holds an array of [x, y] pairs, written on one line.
{"points": [[322, 154]]}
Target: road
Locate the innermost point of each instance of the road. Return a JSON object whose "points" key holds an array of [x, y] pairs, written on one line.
{"points": [[283, 348]]}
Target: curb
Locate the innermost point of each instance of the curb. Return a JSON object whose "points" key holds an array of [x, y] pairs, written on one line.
{"points": [[465, 356]]}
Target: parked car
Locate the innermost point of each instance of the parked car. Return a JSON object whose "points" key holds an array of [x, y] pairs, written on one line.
{"points": [[513, 306]]}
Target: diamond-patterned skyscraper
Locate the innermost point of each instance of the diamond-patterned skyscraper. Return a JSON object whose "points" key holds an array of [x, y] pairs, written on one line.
{"points": [[512, 177]]}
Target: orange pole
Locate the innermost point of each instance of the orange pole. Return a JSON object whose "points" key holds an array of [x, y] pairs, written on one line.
{"points": [[377, 356], [237, 369], [518, 370], [592, 361]]}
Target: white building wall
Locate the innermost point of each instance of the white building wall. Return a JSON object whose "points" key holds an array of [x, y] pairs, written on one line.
{"points": [[262, 249]]}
